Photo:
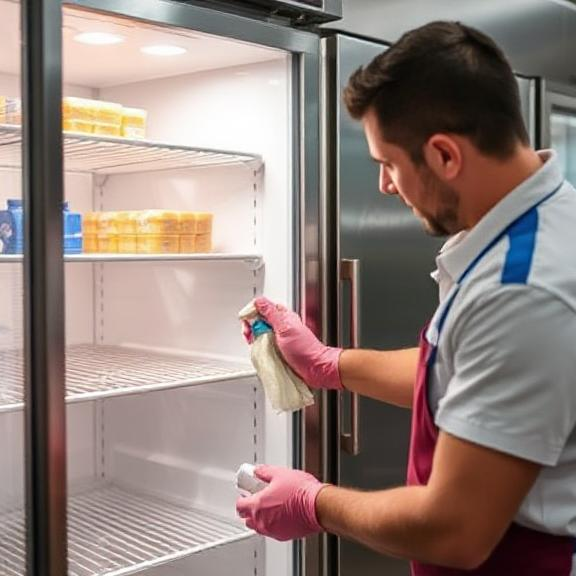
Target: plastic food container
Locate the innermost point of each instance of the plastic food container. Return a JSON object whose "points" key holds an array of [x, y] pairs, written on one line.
{"points": [[2, 109], [204, 243], [13, 111], [188, 243], [107, 118], [157, 243], [128, 243], [134, 123], [90, 243], [158, 222], [196, 222]]}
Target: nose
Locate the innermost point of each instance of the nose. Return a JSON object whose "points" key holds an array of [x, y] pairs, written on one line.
{"points": [[386, 184]]}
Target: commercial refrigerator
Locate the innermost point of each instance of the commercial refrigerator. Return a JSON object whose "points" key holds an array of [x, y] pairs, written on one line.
{"points": [[380, 293], [127, 399]]}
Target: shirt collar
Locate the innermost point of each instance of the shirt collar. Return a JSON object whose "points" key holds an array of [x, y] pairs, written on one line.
{"points": [[460, 250]]}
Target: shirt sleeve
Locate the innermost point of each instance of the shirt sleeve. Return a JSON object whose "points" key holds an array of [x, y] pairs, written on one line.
{"points": [[514, 382]]}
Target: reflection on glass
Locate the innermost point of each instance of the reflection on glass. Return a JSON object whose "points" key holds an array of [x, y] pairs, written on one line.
{"points": [[563, 139]]}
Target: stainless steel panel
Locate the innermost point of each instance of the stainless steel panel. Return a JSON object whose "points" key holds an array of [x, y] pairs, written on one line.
{"points": [[528, 95], [397, 295], [538, 36]]}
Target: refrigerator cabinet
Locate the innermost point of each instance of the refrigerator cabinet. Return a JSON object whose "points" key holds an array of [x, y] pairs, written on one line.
{"points": [[154, 435]]}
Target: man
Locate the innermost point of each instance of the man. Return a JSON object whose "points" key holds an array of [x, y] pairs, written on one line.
{"points": [[492, 468]]}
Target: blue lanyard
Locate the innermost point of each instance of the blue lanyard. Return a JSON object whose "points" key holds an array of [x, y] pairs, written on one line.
{"points": [[472, 265]]}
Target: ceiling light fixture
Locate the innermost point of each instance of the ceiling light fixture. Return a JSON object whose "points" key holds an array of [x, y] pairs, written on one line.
{"points": [[98, 38], [163, 50]]}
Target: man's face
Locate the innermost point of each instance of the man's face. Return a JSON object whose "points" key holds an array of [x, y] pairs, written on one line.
{"points": [[432, 201]]}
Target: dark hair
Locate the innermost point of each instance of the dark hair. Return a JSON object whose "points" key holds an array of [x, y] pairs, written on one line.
{"points": [[444, 77]]}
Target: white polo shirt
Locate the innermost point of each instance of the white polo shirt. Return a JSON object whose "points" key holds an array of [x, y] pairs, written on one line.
{"points": [[505, 373]]}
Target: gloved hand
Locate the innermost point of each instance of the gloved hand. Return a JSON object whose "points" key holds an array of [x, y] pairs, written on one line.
{"points": [[314, 362], [286, 509]]}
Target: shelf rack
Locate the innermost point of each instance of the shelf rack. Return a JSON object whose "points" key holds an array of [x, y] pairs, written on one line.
{"points": [[254, 261], [103, 371], [114, 532], [108, 155]]}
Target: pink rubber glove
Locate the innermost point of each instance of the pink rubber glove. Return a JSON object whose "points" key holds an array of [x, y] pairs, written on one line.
{"points": [[314, 362], [284, 510]]}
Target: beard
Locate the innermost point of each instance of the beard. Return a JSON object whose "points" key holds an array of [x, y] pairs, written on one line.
{"points": [[444, 220]]}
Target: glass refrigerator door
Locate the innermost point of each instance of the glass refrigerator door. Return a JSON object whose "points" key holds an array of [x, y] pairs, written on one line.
{"points": [[181, 175], [563, 139], [12, 482]]}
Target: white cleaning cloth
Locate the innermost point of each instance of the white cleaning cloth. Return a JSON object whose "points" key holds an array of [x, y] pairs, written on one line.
{"points": [[284, 389]]}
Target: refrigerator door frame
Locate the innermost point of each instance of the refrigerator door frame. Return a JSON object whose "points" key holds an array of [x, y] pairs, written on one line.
{"points": [[44, 330], [530, 94], [554, 96], [307, 225], [300, 12]]}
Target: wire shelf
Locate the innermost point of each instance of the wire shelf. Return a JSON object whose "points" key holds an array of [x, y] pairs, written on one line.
{"points": [[107, 155], [254, 261], [102, 371], [114, 532]]}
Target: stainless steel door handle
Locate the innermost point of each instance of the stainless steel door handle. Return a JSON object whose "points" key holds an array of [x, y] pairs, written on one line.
{"points": [[350, 271]]}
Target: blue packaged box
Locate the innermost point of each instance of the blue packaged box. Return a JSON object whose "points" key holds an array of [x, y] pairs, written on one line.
{"points": [[11, 228]]}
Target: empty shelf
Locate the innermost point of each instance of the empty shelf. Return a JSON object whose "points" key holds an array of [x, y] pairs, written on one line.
{"points": [[114, 532], [100, 371], [104, 155]]}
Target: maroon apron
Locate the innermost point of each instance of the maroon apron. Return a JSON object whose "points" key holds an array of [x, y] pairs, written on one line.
{"points": [[522, 551]]}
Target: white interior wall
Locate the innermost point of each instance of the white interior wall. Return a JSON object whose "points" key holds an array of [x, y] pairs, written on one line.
{"points": [[245, 108]]}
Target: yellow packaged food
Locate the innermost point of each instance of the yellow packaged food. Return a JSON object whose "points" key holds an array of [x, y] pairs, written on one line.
{"points": [[107, 118], [77, 126], [2, 109], [204, 243], [90, 243], [196, 222], [107, 223], [158, 243], [158, 222], [13, 111], [78, 109], [90, 222], [108, 243], [134, 123], [188, 243], [107, 129], [107, 113], [127, 222], [128, 244]]}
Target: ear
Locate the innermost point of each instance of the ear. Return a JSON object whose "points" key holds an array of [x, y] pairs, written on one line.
{"points": [[443, 154]]}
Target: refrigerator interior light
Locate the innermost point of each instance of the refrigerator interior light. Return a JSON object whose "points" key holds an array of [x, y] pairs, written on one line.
{"points": [[99, 38], [163, 50]]}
